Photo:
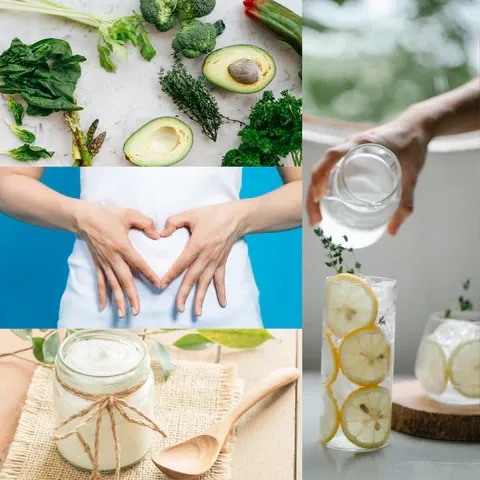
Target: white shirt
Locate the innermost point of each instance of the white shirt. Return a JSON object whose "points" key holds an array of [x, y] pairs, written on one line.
{"points": [[159, 193]]}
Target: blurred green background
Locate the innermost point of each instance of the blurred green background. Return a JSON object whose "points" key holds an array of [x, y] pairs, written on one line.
{"points": [[366, 60]]}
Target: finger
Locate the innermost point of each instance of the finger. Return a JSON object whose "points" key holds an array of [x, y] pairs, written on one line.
{"points": [[102, 286], [219, 281], [173, 223], [322, 169], [142, 222], [203, 283], [125, 277], [184, 260], [117, 291], [136, 261], [405, 208], [189, 280], [313, 208]]}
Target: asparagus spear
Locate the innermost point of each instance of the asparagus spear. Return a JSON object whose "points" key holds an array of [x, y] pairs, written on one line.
{"points": [[79, 139]]}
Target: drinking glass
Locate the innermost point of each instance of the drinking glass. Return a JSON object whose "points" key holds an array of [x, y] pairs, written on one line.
{"points": [[362, 193], [448, 358], [357, 362]]}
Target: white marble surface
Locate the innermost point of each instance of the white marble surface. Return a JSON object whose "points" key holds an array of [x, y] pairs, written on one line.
{"points": [[126, 100], [406, 458]]}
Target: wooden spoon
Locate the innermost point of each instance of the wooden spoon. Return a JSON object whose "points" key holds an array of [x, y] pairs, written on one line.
{"points": [[194, 457]]}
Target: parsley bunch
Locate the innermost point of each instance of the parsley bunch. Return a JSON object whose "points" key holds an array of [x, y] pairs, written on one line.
{"points": [[273, 133]]}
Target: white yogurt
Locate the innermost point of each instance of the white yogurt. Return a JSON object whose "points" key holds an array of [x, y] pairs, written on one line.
{"points": [[104, 362]]}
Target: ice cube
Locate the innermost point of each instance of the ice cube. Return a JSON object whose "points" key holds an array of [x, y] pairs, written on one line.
{"points": [[452, 332]]}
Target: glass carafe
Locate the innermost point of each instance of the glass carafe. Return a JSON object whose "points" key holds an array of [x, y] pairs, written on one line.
{"points": [[362, 193]]}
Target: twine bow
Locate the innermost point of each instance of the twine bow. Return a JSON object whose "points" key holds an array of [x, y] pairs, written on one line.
{"points": [[100, 403]]}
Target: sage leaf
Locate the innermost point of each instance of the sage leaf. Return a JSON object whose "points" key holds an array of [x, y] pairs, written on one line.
{"points": [[50, 348], [37, 344], [24, 334], [163, 357], [193, 341], [237, 338]]}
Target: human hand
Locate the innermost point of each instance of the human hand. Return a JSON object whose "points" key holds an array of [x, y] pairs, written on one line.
{"points": [[405, 137], [214, 230], [105, 229]]}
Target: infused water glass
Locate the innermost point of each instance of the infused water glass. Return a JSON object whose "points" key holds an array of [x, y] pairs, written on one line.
{"points": [[357, 362], [362, 194], [448, 358]]}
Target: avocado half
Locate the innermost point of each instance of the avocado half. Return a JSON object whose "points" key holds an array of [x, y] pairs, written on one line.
{"points": [[159, 143], [215, 67]]}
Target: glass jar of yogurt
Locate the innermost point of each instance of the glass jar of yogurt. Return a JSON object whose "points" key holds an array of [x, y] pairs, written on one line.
{"points": [[103, 362]]}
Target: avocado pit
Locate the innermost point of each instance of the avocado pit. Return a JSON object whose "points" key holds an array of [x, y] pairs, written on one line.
{"points": [[244, 71]]}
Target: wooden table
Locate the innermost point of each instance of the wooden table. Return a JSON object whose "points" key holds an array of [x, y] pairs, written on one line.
{"points": [[268, 437]]}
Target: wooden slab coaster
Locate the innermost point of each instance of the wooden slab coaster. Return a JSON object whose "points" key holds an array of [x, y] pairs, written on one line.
{"points": [[414, 413]]}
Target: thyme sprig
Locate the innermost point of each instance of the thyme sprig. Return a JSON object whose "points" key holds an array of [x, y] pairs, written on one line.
{"points": [[335, 254], [464, 304]]}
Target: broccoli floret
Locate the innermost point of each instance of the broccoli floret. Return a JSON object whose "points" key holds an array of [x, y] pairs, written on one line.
{"points": [[160, 13], [196, 37], [190, 9]]}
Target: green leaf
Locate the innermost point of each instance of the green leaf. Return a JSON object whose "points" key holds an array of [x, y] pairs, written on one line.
{"points": [[146, 48], [27, 153], [50, 348], [16, 109], [106, 62], [37, 343], [163, 357], [358, 265], [21, 133], [237, 338], [192, 341], [24, 334]]}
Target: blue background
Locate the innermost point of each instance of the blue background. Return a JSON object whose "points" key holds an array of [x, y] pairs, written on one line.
{"points": [[33, 262]]}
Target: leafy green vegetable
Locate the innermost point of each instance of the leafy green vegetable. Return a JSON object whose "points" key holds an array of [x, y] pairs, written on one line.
{"points": [[16, 109], [164, 14], [274, 131], [114, 33], [27, 153], [162, 354], [37, 343], [237, 338], [192, 341], [21, 133], [191, 97], [50, 348], [45, 74], [196, 37]]}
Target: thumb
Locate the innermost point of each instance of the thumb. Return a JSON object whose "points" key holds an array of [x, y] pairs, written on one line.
{"points": [[146, 224], [173, 223]]}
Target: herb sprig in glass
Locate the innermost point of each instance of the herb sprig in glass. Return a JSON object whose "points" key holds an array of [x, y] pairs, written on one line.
{"points": [[335, 254]]}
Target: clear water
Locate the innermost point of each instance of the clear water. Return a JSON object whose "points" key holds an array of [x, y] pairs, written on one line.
{"points": [[355, 208], [342, 387]]}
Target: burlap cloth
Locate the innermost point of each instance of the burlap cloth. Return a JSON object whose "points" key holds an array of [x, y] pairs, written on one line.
{"points": [[193, 398]]}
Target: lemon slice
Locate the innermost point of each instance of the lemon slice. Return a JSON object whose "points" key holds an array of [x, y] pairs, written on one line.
{"points": [[366, 417], [365, 356], [431, 366], [330, 363], [464, 367], [350, 304], [330, 417]]}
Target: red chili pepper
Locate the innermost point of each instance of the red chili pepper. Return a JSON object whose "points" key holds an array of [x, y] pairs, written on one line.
{"points": [[281, 21]]}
